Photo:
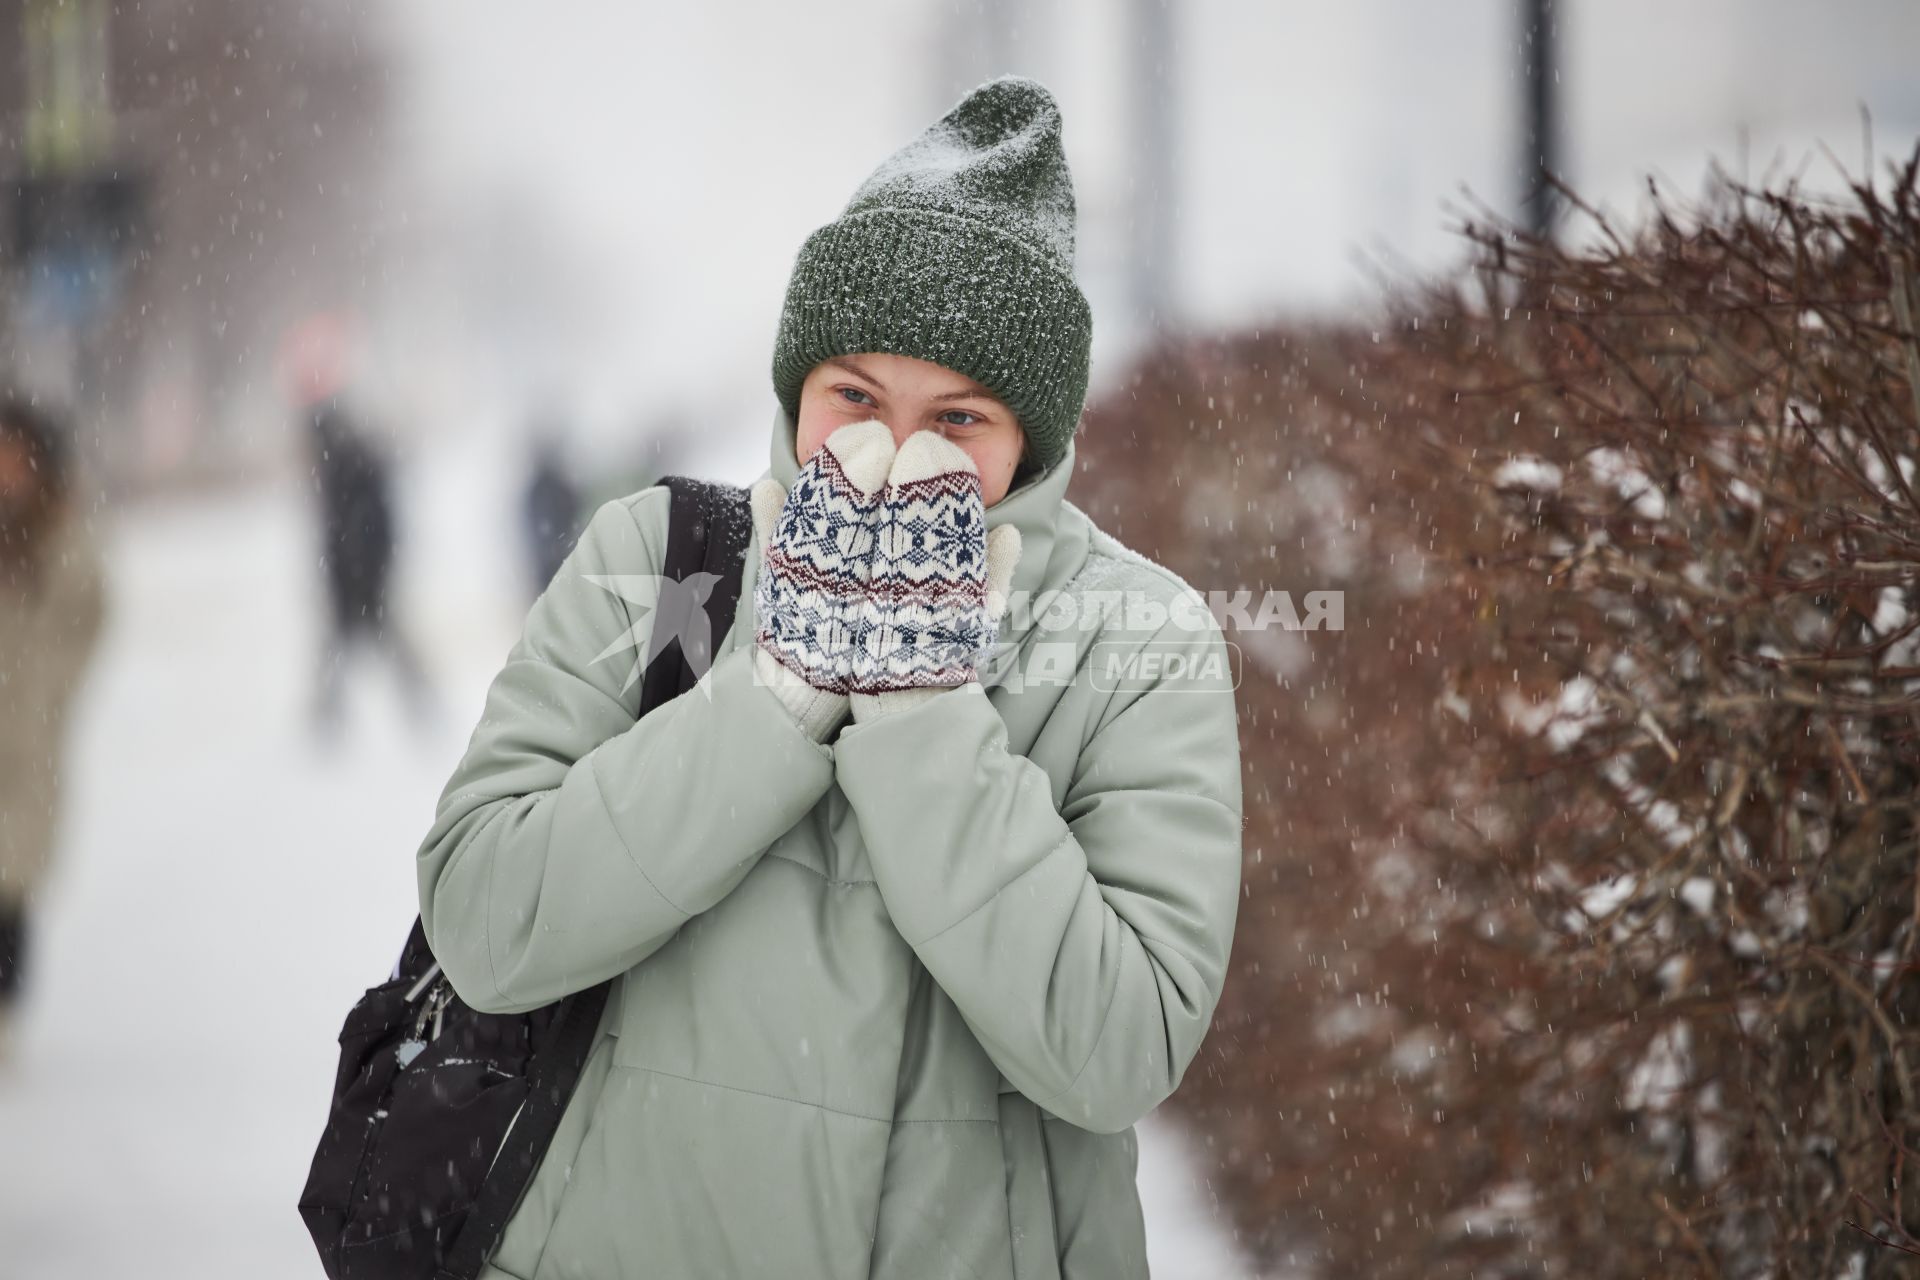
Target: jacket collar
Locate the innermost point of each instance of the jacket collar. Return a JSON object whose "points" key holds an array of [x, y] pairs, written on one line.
{"points": [[1034, 507]]}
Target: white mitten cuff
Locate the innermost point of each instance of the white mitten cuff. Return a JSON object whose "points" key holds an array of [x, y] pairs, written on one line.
{"points": [[872, 706], [818, 712]]}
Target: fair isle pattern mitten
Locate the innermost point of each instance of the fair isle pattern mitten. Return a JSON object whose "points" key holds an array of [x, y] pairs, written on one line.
{"points": [[816, 547], [928, 622]]}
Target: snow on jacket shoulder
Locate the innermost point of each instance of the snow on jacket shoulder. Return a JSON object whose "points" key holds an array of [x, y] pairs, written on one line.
{"points": [[889, 1007]]}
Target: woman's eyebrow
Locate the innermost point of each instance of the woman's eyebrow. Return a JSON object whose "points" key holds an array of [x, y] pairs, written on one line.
{"points": [[972, 393], [843, 363]]}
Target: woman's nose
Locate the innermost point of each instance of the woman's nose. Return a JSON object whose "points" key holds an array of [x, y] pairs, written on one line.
{"points": [[903, 429]]}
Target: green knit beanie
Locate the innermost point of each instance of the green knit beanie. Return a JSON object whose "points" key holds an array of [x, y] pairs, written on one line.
{"points": [[958, 250]]}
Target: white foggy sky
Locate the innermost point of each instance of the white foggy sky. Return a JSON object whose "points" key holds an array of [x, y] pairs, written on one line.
{"points": [[628, 184]]}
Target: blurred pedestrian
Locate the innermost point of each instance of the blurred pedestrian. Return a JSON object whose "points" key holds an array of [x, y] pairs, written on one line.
{"points": [[51, 602], [358, 536], [549, 510]]}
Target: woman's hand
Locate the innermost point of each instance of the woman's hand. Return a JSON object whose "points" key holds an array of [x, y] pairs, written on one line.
{"points": [[938, 582], [816, 551]]}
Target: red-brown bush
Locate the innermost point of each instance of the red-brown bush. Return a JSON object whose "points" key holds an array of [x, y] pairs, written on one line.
{"points": [[1582, 926]]}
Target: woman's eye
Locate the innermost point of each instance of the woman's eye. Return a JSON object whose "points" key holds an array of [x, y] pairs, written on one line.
{"points": [[952, 418], [854, 395]]}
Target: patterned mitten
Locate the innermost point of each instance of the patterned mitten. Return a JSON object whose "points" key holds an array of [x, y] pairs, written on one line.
{"points": [[816, 546], [939, 581]]}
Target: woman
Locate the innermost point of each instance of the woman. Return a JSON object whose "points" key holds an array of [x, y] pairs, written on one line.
{"points": [[904, 957], [50, 611]]}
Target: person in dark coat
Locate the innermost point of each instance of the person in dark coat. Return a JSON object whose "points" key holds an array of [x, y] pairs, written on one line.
{"points": [[358, 537], [549, 511], [52, 600]]}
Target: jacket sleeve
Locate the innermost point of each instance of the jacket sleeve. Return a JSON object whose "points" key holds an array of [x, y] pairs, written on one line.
{"points": [[572, 841], [1085, 946]]}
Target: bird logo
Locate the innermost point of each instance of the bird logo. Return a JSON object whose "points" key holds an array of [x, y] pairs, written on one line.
{"points": [[668, 610]]}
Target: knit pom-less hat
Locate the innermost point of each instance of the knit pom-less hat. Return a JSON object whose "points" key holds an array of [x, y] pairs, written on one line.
{"points": [[957, 250]]}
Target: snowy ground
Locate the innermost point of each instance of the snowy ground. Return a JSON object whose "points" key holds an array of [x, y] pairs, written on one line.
{"points": [[228, 888]]}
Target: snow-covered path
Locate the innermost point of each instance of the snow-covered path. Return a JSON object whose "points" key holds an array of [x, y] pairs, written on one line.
{"points": [[227, 889]]}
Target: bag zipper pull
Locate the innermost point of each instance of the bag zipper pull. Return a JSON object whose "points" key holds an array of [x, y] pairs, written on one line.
{"points": [[423, 982], [436, 1001]]}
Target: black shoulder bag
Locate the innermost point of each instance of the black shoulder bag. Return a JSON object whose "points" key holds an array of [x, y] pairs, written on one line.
{"points": [[441, 1114]]}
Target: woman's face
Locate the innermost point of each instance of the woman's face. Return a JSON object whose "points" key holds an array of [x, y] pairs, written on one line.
{"points": [[911, 395]]}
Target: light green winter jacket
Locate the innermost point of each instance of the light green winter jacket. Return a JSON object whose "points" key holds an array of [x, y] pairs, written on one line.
{"points": [[888, 1007]]}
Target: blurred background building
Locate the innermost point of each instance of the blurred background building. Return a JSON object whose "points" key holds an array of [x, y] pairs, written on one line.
{"points": [[185, 181], [596, 207], [575, 221]]}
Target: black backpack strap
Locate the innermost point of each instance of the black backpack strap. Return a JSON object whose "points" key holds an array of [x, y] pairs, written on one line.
{"points": [[551, 1081], [707, 538], [708, 528]]}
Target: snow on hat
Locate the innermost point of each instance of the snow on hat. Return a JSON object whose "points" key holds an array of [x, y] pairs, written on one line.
{"points": [[957, 250]]}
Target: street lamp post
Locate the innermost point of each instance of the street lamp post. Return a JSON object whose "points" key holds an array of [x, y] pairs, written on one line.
{"points": [[1151, 264], [1541, 132]]}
